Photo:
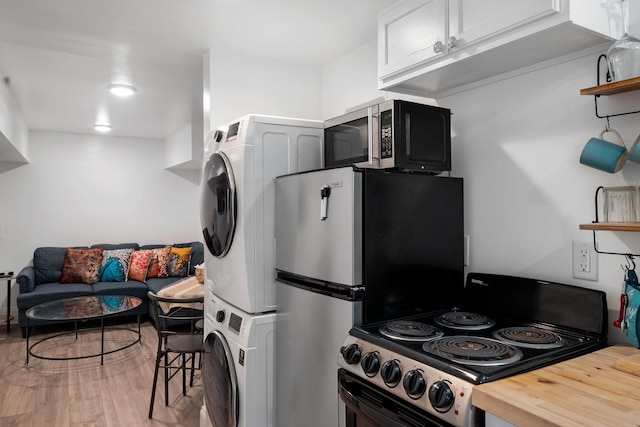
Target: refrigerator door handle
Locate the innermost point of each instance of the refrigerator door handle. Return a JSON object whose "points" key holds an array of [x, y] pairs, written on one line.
{"points": [[370, 134], [325, 192]]}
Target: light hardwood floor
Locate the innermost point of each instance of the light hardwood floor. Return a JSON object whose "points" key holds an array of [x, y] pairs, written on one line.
{"points": [[83, 393]]}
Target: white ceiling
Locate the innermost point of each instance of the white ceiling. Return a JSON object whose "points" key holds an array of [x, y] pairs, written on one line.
{"points": [[59, 56]]}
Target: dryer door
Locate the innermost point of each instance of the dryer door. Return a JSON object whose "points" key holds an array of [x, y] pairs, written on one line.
{"points": [[218, 204], [220, 382]]}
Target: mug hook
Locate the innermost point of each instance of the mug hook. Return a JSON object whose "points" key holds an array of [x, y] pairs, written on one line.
{"points": [[631, 264]]}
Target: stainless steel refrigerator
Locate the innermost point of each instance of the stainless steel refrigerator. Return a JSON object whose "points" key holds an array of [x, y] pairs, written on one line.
{"points": [[355, 246]]}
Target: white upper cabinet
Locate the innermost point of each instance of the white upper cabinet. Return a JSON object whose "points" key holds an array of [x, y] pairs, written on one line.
{"points": [[435, 47], [408, 32], [472, 21]]}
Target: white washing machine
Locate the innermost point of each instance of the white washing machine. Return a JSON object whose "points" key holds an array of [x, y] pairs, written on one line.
{"points": [[237, 204], [238, 367]]}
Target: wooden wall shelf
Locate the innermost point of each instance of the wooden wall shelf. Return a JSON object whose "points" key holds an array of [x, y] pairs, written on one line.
{"points": [[613, 88], [611, 226]]}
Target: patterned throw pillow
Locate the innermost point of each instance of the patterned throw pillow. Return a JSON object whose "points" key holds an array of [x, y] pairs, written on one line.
{"points": [[81, 265], [159, 262], [115, 263], [138, 265], [179, 259]]}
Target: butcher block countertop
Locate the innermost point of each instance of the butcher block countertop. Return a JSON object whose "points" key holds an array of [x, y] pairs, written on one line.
{"points": [[598, 389]]}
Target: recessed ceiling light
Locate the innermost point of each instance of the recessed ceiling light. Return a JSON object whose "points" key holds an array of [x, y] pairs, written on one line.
{"points": [[102, 127], [122, 90]]}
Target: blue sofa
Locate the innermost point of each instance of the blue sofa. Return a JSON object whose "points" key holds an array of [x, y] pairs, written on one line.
{"points": [[40, 282]]}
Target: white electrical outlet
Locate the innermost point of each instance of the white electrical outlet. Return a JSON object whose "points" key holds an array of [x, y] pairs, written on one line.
{"points": [[585, 261]]}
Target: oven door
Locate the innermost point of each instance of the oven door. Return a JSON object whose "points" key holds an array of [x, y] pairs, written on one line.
{"points": [[218, 204], [368, 406], [220, 382]]}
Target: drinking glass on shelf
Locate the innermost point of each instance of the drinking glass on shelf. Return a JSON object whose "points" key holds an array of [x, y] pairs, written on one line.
{"points": [[624, 55], [621, 204]]}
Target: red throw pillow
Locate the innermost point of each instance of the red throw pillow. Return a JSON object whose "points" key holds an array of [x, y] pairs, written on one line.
{"points": [[138, 265]]}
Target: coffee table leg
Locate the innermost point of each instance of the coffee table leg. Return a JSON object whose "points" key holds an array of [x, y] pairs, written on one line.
{"points": [[101, 341], [9, 306], [28, 333]]}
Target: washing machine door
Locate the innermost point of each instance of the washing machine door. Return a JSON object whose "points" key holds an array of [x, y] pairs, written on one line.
{"points": [[218, 204], [220, 382]]}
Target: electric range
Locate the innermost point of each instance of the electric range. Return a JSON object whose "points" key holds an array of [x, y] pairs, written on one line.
{"points": [[420, 370]]}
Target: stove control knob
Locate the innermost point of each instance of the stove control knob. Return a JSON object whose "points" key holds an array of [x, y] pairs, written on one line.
{"points": [[370, 364], [414, 384], [441, 396], [391, 373], [351, 353]]}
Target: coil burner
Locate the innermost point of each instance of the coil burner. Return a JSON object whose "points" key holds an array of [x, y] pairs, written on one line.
{"points": [[464, 320], [473, 350], [529, 337], [408, 330]]}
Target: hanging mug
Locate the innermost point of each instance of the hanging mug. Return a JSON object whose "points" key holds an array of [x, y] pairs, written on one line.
{"points": [[603, 155], [634, 152]]}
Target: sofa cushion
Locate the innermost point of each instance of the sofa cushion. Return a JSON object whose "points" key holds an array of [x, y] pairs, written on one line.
{"points": [[52, 291], [179, 259], [159, 262], [156, 283], [48, 262], [130, 288], [81, 265], [115, 264], [138, 265]]}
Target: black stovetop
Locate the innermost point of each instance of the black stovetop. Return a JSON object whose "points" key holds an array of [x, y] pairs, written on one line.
{"points": [[575, 344], [577, 315]]}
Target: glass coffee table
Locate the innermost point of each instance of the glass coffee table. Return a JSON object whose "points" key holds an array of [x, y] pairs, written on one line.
{"points": [[80, 309]]}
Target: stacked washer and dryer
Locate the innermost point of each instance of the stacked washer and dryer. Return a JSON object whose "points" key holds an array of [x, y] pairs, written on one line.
{"points": [[237, 213]]}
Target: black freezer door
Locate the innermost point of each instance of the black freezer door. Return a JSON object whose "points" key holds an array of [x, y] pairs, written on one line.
{"points": [[413, 244]]}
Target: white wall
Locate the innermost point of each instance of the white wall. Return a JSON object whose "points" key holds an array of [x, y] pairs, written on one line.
{"points": [[84, 189], [352, 81], [13, 130], [242, 85]]}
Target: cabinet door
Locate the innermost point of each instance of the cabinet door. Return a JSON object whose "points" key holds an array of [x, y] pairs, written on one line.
{"points": [[472, 21], [407, 33]]}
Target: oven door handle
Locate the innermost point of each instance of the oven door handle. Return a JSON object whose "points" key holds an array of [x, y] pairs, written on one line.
{"points": [[361, 406]]}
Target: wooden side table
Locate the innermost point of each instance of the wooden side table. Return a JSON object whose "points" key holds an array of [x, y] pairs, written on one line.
{"points": [[8, 276]]}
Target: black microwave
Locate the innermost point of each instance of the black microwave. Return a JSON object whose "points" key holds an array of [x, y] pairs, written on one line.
{"points": [[394, 134]]}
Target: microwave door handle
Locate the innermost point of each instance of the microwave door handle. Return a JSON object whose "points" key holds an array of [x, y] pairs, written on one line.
{"points": [[370, 134]]}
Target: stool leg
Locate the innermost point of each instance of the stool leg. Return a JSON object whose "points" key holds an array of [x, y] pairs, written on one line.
{"points": [[184, 374], [167, 372], [155, 382], [193, 365]]}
